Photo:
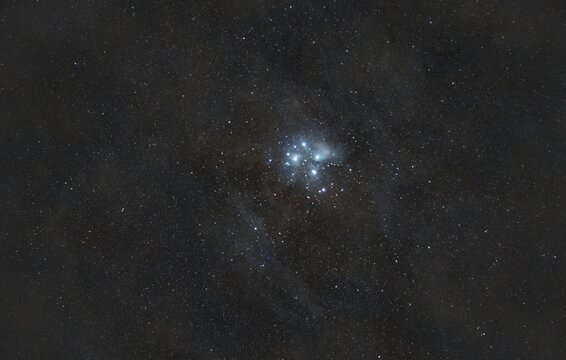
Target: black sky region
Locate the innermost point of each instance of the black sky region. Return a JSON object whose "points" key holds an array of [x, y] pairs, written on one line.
{"points": [[150, 209]]}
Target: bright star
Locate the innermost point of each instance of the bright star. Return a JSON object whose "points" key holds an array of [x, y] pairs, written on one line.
{"points": [[313, 171]]}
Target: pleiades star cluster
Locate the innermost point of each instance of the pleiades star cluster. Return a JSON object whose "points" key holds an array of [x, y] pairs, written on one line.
{"points": [[308, 163], [283, 179]]}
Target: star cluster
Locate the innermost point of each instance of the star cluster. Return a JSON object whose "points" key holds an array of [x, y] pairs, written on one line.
{"points": [[309, 162]]}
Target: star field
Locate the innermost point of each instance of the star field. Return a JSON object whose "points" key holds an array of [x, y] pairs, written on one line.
{"points": [[282, 180]]}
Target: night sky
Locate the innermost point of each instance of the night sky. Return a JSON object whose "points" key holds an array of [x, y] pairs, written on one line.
{"points": [[283, 179]]}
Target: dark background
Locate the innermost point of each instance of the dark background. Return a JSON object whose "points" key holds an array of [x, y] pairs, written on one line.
{"points": [[133, 148]]}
